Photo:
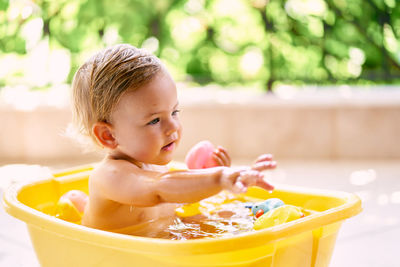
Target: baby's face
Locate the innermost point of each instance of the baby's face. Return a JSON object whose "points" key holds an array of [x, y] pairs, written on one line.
{"points": [[145, 122]]}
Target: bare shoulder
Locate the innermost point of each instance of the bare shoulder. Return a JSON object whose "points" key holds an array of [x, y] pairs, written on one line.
{"points": [[110, 171]]}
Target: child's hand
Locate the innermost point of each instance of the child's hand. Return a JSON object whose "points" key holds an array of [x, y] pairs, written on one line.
{"points": [[238, 181], [264, 162], [221, 157]]}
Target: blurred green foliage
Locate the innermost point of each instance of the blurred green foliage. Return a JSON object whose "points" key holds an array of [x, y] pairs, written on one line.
{"points": [[229, 42]]}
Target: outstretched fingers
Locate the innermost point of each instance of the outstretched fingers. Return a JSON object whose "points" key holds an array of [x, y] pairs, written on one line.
{"points": [[250, 178], [264, 165], [239, 179], [264, 157], [264, 184]]}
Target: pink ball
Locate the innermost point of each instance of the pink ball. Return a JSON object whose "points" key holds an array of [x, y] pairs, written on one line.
{"points": [[200, 156], [78, 199]]}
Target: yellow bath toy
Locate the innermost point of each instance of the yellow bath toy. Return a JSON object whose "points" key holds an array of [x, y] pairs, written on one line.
{"points": [[188, 210], [67, 211], [71, 205], [282, 214]]}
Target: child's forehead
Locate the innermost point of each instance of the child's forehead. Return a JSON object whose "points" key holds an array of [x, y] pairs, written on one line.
{"points": [[160, 93], [159, 89]]}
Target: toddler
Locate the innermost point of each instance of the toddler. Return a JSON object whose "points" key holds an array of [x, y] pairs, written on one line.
{"points": [[125, 100]]}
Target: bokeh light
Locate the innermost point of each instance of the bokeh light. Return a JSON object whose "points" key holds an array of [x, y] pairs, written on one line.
{"points": [[227, 42]]}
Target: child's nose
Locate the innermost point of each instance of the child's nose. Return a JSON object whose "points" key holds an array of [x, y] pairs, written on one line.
{"points": [[173, 126]]}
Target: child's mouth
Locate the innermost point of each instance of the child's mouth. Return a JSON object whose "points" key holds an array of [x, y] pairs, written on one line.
{"points": [[169, 147]]}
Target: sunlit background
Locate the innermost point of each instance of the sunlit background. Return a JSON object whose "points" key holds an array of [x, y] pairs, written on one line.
{"points": [[258, 43], [325, 76]]}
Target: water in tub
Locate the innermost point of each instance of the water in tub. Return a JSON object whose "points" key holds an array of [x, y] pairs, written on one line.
{"points": [[224, 214]]}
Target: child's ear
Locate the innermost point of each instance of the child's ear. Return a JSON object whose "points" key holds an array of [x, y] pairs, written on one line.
{"points": [[104, 134]]}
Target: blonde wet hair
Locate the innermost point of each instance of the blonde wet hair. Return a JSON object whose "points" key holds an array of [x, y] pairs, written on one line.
{"points": [[100, 82]]}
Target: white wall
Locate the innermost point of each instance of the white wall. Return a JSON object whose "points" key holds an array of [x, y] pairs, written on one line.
{"points": [[327, 124]]}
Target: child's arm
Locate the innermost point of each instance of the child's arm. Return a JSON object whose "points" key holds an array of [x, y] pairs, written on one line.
{"points": [[128, 184], [193, 186]]}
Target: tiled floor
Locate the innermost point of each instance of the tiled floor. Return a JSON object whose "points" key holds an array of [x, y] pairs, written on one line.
{"points": [[369, 239]]}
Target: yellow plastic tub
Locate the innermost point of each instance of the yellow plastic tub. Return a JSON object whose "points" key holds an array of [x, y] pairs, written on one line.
{"points": [[307, 241]]}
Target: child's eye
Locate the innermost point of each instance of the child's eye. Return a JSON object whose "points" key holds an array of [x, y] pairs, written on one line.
{"points": [[175, 112], [155, 121]]}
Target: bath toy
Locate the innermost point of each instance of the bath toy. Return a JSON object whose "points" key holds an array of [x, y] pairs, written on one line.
{"points": [[282, 214], [200, 156], [78, 199], [188, 210], [259, 213], [67, 211], [71, 205], [263, 207]]}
